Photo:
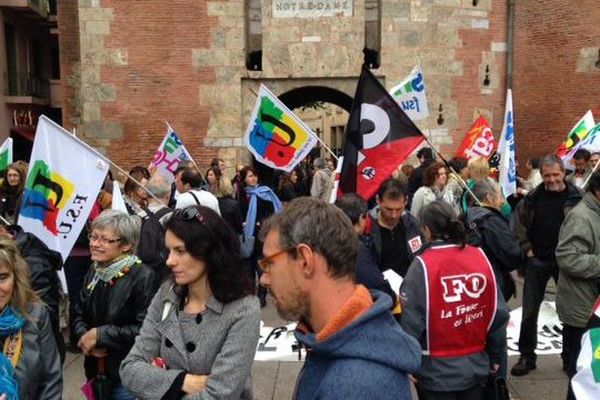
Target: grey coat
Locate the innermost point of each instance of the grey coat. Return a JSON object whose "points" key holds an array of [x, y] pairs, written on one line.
{"points": [[578, 258], [225, 342], [38, 370]]}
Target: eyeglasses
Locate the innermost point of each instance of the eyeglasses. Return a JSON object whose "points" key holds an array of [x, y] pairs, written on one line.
{"points": [[266, 263], [189, 214], [102, 239]]}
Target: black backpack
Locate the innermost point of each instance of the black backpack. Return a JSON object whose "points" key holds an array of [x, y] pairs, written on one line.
{"points": [[151, 249], [473, 230]]}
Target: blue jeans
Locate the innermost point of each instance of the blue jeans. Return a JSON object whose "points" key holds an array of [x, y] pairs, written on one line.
{"points": [[120, 393]]}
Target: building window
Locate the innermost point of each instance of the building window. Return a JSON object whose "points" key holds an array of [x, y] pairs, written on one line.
{"points": [[253, 35], [372, 50]]}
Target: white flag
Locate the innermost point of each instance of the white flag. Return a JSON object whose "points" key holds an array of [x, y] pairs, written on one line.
{"points": [[117, 198], [63, 181], [506, 148], [170, 152], [275, 135], [410, 95]]}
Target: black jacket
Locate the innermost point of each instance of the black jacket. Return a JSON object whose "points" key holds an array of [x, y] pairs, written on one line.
{"points": [[230, 212], [117, 312], [43, 265], [367, 270], [499, 245], [411, 229]]}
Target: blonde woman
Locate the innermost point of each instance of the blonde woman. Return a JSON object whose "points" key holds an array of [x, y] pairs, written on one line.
{"points": [[30, 366]]}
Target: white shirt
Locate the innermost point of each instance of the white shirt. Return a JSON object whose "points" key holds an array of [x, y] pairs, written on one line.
{"points": [[206, 199]]}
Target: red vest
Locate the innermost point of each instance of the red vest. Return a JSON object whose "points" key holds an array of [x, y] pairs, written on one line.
{"points": [[461, 300]]}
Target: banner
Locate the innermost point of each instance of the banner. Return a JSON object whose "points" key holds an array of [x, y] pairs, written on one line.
{"points": [[507, 171], [170, 152], [62, 184], [6, 154], [478, 142], [278, 344], [578, 134], [586, 383], [410, 95], [275, 135], [549, 335], [379, 137]]}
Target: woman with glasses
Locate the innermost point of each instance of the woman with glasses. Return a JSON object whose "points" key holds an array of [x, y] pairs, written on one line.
{"points": [[435, 179], [11, 191], [29, 361], [200, 334], [114, 298]]}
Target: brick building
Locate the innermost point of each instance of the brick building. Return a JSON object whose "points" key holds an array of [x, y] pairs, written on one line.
{"points": [[127, 66]]}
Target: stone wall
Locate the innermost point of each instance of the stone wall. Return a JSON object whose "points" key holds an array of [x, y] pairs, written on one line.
{"points": [[556, 78], [142, 62]]}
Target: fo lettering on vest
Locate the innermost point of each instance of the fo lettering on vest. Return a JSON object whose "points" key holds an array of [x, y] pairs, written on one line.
{"points": [[461, 300]]}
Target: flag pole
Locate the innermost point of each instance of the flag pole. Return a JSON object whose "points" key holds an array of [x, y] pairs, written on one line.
{"points": [[90, 148], [311, 132], [590, 175], [461, 181]]}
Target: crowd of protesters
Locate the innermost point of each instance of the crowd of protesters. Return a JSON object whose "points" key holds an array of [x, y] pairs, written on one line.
{"points": [[165, 296]]}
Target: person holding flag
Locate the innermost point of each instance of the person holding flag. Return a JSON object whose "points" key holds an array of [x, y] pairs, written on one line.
{"points": [[578, 258]]}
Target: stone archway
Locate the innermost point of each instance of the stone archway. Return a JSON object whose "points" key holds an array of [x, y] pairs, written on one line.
{"points": [[300, 96]]}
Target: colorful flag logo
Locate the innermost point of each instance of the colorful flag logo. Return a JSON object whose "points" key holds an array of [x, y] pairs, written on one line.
{"points": [[275, 135], [6, 154], [46, 194], [379, 137], [170, 152], [576, 138], [410, 95], [479, 141]]}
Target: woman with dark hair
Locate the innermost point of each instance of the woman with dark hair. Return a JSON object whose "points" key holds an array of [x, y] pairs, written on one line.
{"points": [[459, 172], [212, 177], [287, 186], [435, 179], [11, 190], [202, 327], [134, 195], [451, 304], [258, 204], [29, 361]]}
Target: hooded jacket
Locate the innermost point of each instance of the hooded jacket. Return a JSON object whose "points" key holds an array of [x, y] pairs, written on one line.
{"points": [[578, 258], [368, 359], [499, 245]]}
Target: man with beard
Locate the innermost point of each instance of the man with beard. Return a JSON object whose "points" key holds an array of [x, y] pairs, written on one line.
{"points": [[356, 349]]}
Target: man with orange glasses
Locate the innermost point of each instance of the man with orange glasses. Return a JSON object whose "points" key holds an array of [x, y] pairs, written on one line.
{"points": [[356, 349]]}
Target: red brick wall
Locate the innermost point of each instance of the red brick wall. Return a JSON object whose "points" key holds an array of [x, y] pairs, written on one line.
{"points": [[69, 55], [466, 89], [159, 83], [549, 95]]}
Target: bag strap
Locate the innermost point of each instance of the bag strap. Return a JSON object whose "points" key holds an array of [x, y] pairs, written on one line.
{"points": [[195, 198]]}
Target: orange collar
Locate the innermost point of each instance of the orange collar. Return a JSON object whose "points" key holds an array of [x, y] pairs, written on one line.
{"points": [[353, 308]]}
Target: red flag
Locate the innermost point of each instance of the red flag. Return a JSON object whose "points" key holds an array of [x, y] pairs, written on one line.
{"points": [[379, 137], [478, 142]]}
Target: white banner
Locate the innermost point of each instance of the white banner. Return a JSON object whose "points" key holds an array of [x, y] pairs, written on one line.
{"points": [[62, 184], [312, 8], [170, 152], [278, 344], [410, 95], [507, 170], [549, 338]]}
